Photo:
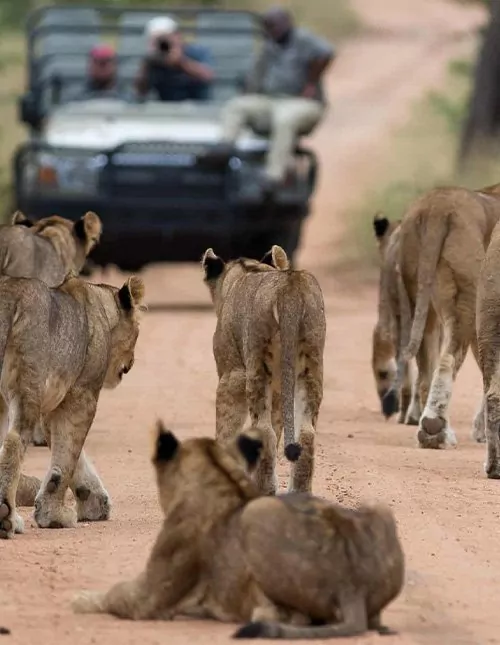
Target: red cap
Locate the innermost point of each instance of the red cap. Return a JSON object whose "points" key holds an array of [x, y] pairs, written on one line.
{"points": [[100, 52]]}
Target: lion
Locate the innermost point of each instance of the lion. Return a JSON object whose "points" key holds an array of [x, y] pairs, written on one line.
{"points": [[46, 249], [268, 347], [49, 248], [58, 348], [396, 392], [487, 322], [443, 238], [289, 566]]}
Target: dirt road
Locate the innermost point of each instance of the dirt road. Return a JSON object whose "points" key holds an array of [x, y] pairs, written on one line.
{"points": [[440, 498]]}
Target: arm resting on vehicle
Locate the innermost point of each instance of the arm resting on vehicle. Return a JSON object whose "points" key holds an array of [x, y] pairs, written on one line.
{"points": [[196, 70]]}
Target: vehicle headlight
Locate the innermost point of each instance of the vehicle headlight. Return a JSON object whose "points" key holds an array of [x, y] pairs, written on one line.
{"points": [[69, 174]]}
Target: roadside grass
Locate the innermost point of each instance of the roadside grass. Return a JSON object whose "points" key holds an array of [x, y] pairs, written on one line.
{"points": [[11, 132], [422, 154]]}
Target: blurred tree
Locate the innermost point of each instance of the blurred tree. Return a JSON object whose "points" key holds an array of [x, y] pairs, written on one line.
{"points": [[481, 128]]}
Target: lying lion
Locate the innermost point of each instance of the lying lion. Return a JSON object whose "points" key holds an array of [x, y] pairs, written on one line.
{"points": [[58, 349], [443, 238], [268, 347], [47, 249], [284, 563], [396, 391]]}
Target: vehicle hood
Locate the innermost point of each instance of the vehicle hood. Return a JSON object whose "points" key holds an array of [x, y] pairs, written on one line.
{"points": [[109, 124]]}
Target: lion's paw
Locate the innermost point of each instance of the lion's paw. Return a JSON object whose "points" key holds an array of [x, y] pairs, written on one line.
{"points": [[10, 521], [92, 506], [87, 602], [54, 517], [434, 433]]}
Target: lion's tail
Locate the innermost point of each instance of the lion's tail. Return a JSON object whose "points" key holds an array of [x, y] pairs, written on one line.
{"points": [[431, 243], [291, 632], [27, 490], [403, 330], [289, 320]]}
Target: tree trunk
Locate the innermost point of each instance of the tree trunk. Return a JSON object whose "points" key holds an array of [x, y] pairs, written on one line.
{"points": [[482, 124]]}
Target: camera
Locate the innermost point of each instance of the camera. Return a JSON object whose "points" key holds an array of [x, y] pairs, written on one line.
{"points": [[163, 45]]}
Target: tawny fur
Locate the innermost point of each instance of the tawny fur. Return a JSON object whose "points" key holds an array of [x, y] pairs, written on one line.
{"points": [[397, 388], [488, 338], [268, 347], [284, 563], [58, 349], [443, 240], [47, 249]]}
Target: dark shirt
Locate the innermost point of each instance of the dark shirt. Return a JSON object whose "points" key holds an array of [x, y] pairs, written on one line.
{"points": [[170, 84]]}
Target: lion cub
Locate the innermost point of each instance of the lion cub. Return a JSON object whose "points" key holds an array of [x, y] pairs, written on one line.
{"points": [[284, 563], [47, 249], [487, 322], [397, 387], [58, 349], [268, 347]]}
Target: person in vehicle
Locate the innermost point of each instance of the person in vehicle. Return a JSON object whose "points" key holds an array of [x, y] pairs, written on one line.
{"points": [[173, 70], [283, 93], [102, 81]]}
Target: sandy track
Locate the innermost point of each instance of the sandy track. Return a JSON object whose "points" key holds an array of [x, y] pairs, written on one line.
{"points": [[440, 498]]}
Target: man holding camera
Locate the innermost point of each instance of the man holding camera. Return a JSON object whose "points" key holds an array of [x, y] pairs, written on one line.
{"points": [[173, 70]]}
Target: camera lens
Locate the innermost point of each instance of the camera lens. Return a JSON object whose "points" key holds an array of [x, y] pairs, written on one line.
{"points": [[163, 45]]}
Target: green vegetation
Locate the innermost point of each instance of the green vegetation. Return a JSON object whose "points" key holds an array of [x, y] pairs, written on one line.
{"points": [[422, 155]]}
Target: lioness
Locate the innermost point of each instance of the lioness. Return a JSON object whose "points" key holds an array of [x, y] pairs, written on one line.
{"points": [[442, 244], [395, 391], [268, 342], [58, 349], [284, 563], [46, 249], [488, 322]]}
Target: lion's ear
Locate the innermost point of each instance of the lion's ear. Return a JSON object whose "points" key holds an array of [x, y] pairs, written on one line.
{"points": [[250, 448], [165, 444], [380, 225], [88, 228], [131, 295], [213, 266], [277, 258], [20, 219]]}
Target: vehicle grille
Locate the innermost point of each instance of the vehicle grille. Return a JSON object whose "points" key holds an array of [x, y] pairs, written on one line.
{"points": [[174, 183]]}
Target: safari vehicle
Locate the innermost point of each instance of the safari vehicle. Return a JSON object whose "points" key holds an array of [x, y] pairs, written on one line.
{"points": [[149, 169]]}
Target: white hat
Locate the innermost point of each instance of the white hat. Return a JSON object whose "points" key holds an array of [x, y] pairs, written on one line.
{"points": [[161, 25]]}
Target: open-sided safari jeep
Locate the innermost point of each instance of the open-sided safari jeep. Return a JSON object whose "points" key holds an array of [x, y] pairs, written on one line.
{"points": [[149, 169]]}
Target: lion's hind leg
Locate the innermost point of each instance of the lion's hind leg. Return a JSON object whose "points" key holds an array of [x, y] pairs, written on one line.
{"points": [[259, 399], [230, 405], [492, 465], [93, 503], [24, 417], [69, 425], [458, 314], [307, 401]]}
